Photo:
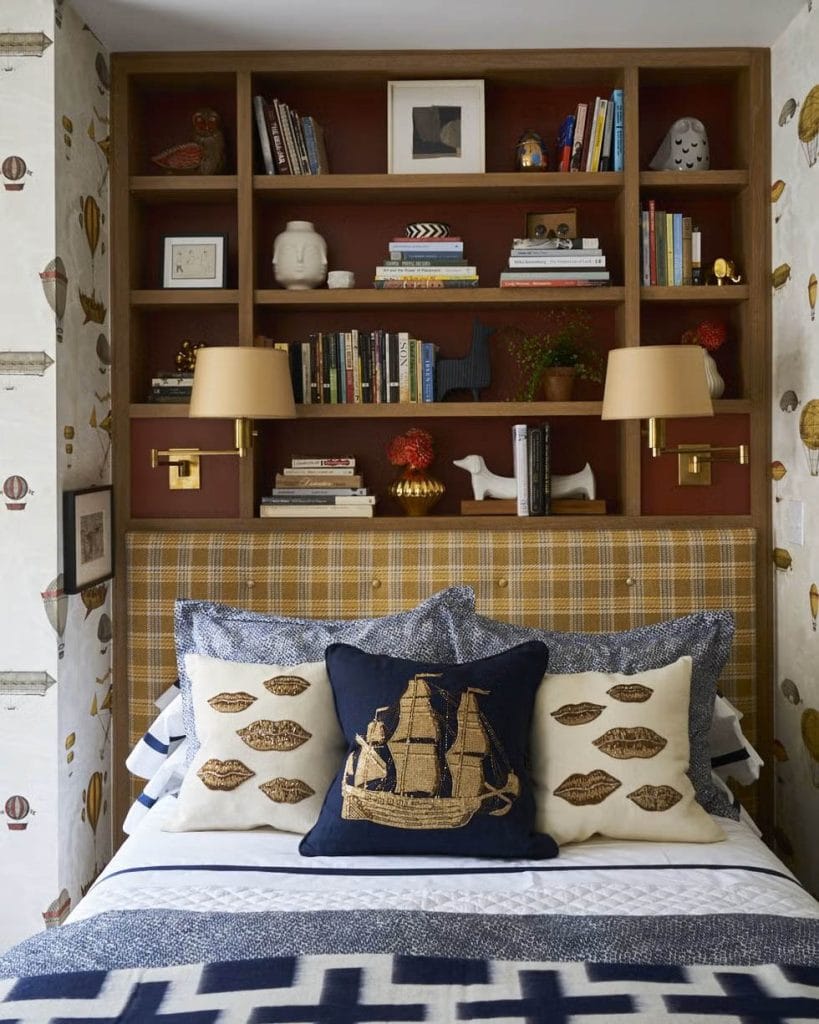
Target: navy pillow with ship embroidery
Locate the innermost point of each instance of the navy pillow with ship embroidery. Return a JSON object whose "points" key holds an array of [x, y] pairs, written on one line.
{"points": [[436, 757]]}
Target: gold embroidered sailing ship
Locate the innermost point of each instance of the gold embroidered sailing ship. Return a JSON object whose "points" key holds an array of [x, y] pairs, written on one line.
{"points": [[428, 772]]}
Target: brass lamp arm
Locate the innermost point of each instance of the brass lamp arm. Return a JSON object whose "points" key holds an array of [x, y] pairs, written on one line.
{"points": [[183, 463]]}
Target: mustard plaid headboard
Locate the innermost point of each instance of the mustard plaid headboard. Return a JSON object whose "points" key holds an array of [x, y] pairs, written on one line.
{"points": [[587, 580]]}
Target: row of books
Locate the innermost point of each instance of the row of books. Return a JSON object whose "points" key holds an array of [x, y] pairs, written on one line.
{"points": [[671, 248], [531, 451], [426, 263], [592, 139], [315, 487], [290, 144], [366, 367], [555, 263], [171, 386]]}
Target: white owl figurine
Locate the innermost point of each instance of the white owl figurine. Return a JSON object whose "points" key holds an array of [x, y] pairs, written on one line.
{"points": [[684, 148]]}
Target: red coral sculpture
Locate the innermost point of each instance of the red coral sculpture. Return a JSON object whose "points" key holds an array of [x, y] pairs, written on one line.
{"points": [[413, 449]]}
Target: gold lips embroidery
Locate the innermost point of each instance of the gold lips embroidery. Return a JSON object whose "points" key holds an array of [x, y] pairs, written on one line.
{"points": [[282, 735], [635, 741], [578, 714], [582, 790], [286, 791], [286, 686], [230, 703], [224, 775], [630, 693], [655, 798]]}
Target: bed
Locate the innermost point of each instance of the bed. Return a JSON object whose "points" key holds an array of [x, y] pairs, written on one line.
{"points": [[236, 925]]}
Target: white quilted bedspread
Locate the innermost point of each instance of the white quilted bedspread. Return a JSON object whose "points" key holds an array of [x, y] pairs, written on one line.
{"points": [[262, 870]]}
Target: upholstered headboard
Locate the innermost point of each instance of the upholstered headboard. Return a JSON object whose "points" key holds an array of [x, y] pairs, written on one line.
{"points": [[586, 580]]}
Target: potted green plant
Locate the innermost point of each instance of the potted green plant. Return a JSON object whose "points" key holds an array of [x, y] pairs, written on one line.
{"points": [[558, 351]]}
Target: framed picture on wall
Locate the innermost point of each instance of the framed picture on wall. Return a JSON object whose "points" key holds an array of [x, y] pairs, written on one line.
{"points": [[88, 538], [435, 127], [194, 261]]}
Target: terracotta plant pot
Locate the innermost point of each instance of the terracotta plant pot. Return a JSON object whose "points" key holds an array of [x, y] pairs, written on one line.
{"points": [[558, 383]]}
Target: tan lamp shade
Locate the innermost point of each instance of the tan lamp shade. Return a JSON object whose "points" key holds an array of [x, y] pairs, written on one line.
{"points": [[661, 381], [240, 382]]}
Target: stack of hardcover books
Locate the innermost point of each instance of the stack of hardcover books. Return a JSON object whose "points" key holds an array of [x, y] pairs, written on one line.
{"points": [[555, 263], [171, 386], [591, 139], [290, 144], [426, 263], [318, 486]]}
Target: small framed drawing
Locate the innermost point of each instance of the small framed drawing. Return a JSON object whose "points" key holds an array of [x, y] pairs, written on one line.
{"points": [[194, 261], [88, 551], [435, 127]]}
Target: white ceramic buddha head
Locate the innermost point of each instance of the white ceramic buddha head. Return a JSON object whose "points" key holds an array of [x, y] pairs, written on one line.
{"points": [[299, 256]]}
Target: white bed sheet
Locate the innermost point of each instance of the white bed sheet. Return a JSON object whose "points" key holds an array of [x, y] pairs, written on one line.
{"points": [[262, 870]]}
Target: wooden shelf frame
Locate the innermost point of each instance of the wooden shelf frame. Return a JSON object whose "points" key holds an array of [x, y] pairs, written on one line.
{"points": [[745, 185]]}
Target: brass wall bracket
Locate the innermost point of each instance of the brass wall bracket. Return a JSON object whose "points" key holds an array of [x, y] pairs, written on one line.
{"points": [[183, 467], [691, 473]]}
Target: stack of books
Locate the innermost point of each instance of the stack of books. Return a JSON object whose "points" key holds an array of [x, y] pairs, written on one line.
{"points": [[318, 486], [171, 386], [591, 139], [555, 263], [671, 253], [361, 367], [426, 263], [290, 144]]}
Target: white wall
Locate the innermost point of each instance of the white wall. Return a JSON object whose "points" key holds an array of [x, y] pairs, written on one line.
{"points": [[53, 846], [794, 73]]}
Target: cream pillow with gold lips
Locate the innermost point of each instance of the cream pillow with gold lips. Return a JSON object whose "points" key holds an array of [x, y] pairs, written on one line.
{"points": [[609, 756], [270, 746]]}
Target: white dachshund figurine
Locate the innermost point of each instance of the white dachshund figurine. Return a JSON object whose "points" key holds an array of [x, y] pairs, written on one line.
{"points": [[486, 484]]}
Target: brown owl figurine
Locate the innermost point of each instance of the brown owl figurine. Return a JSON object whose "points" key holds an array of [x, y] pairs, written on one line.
{"points": [[205, 155]]}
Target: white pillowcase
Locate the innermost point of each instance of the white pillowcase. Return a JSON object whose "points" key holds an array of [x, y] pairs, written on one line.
{"points": [[270, 746], [610, 754]]}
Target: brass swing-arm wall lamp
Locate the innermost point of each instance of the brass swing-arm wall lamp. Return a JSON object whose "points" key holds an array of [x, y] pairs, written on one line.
{"points": [[659, 382], [238, 383]]}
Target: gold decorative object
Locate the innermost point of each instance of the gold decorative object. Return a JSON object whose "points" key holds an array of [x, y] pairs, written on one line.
{"points": [[185, 359], [725, 271], [530, 152], [416, 491]]}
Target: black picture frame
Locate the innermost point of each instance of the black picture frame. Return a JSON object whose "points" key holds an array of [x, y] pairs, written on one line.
{"points": [[88, 537]]}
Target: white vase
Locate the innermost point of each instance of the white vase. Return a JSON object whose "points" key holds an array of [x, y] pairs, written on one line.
{"points": [[299, 256], [716, 385]]}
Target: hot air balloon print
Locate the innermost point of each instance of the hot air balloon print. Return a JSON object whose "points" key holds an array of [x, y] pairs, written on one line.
{"points": [[780, 276], [778, 472], [812, 295], [810, 737], [92, 220], [790, 691], [92, 798], [15, 490], [813, 599], [94, 597], [55, 603], [55, 286], [809, 433], [103, 74], [68, 437], [777, 191], [103, 353], [104, 632], [58, 909], [782, 558], [787, 112], [808, 125], [14, 170], [17, 809], [789, 402], [68, 131]]}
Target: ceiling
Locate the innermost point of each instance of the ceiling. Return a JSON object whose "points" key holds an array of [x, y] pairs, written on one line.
{"points": [[432, 24]]}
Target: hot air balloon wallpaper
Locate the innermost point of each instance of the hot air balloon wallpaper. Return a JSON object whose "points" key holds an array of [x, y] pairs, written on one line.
{"points": [[17, 809], [780, 276], [25, 684], [59, 908], [68, 437], [777, 191], [68, 132], [55, 603], [94, 597], [778, 472], [103, 353], [91, 221], [103, 428], [14, 170], [789, 402], [790, 691], [809, 726], [809, 433], [104, 632], [55, 287], [15, 490], [93, 801], [782, 558], [103, 74], [787, 112], [103, 147], [812, 295], [813, 600], [808, 126]]}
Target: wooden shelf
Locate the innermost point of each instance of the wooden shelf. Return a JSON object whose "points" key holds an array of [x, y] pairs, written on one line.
{"points": [[162, 298], [705, 182], [399, 188], [727, 294], [179, 188], [373, 298]]}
